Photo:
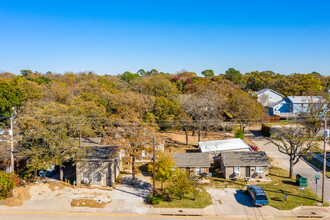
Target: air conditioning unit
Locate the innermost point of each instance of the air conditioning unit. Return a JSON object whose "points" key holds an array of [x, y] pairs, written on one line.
{"points": [[258, 173]]}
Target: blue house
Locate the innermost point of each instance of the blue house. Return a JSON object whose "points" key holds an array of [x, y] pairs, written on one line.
{"points": [[293, 105]]}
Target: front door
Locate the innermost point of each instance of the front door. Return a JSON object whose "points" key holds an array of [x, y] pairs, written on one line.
{"points": [[247, 173]]}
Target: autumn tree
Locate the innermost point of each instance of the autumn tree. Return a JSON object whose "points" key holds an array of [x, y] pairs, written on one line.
{"points": [[133, 137], [10, 95], [180, 184], [163, 168], [244, 108], [293, 141]]}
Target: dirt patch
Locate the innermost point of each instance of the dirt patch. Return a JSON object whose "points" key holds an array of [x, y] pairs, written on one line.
{"points": [[88, 203], [21, 194], [179, 137], [56, 186]]}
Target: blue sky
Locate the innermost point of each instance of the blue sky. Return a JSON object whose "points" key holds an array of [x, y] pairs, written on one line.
{"points": [[110, 37]]}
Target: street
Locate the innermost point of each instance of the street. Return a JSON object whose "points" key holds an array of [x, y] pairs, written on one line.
{"points": [[282, 160], [101, 216]]}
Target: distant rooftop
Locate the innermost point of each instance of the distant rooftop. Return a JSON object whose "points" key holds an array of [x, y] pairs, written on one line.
{"points": [[306, 99], [223, 145], [265, 90]]}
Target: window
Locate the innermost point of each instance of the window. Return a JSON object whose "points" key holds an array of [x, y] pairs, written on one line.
{"points": [[85, 178], [236, 170], [198, 171], [258, 169], [96, 177]]}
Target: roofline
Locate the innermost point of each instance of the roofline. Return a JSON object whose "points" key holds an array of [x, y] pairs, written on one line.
{"points": [[274, 92]]}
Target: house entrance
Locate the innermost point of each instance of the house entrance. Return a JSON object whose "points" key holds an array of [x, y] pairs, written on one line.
{"points": [[247, 173]]}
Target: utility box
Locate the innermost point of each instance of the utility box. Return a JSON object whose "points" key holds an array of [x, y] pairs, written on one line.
{"points": [[326, 133], [301, 181]]}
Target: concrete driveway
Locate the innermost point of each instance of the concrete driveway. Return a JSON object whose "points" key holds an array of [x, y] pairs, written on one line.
{"points": [[128, 199], [233, 202], [282, 160]]}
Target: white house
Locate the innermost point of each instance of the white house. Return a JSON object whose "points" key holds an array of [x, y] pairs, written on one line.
{"points": [[268, 96]]}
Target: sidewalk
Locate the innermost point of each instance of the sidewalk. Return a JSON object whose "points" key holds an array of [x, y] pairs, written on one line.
{"points": [[267, 211]]}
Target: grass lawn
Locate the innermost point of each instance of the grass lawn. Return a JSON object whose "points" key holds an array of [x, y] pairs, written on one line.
{"points": [[218, 182], [203, 200], [282, 184]]}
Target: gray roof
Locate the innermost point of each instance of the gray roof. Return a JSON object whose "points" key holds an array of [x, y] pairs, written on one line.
{"points": [[102, 153], [191, 160], [265, 90], [306, 99], [273, 104], [242, 158], [222, 145]]}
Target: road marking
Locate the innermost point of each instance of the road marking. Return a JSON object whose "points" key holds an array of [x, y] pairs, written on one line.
{"points": [[139, 215]]}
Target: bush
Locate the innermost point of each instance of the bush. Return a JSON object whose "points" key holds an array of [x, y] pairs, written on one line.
{"points": [[265, 130], [155, 200], [239, 134], [8, 181]]}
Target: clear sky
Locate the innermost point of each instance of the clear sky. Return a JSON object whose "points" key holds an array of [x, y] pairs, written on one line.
{"points": [[110, 37]]}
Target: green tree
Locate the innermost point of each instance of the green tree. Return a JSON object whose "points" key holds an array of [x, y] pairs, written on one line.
{"points": [[233, 75], [163, 168], [10, 95], [208, 73], [180, 184], [128, 76]]}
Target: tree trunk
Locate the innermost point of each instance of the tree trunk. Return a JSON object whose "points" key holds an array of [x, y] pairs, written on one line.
{"points": [[199, 133], [194, 128], [291, 168], [61, 173], [162, 187], [186, 132], [206, 129], [133, 170]]}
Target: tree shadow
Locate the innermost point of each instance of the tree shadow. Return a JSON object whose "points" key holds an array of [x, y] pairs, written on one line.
{"points": [[256, 133]]}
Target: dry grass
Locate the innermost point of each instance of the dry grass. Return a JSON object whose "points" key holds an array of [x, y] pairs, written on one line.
{"points": [[56, 186], [179, 137], [87, 203], [21, 194]]}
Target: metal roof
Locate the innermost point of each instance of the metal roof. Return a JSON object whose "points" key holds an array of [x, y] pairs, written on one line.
{"points": [[223, 145], [306, 99], [265, 90], [243, 158], [191, 160]]}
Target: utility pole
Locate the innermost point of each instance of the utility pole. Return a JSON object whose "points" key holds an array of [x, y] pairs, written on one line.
{"points": [[12, 162], [324, 156], [153, 169]]}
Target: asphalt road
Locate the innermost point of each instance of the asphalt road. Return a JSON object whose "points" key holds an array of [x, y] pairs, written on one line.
{"points": [[100, 216], [282, 160]]}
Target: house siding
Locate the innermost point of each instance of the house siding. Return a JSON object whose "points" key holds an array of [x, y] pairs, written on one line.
{"points": [[229, 172], [272, 97]]}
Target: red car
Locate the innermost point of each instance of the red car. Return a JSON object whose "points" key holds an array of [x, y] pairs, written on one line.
{"points": [[254, 148]]}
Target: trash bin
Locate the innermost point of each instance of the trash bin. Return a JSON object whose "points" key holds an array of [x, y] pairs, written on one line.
{"points": [[301, 181]]}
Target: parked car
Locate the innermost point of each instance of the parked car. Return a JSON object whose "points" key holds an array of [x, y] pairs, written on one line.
{"points": [[254, 148], [257, 195]]}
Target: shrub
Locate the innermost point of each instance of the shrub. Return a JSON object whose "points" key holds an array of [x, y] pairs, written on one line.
{"points": [[8, 181], [239, 134], [155, 200], [265, 130]]}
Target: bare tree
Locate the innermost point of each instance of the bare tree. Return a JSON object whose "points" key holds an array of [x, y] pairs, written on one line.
{"points": [[204, 107], [293, 141], [312, 113]]}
